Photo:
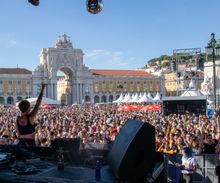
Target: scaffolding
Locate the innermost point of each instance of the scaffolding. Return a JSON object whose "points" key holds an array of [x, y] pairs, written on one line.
{"points": [[182, 78]]}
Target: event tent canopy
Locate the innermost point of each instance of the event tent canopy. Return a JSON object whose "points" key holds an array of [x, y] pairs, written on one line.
{"points": [[44, 101], [135, 98], [145, 99], [157, 97], [149, 96], [127, 98], [119, 99]]}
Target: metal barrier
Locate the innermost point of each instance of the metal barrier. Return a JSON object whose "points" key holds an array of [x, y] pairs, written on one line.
{"points": [[205, 172]]}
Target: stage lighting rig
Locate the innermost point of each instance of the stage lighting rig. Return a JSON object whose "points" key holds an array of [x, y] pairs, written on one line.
{"points": [[94, 6], [34, 2]]}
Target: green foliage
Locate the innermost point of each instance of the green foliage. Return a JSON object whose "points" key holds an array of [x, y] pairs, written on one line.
{"points": [[153, 62], [165, 64]]}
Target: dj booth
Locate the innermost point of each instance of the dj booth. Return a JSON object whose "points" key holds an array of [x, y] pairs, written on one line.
{"points": [[184, 104], [131, 159], [41, 164]]}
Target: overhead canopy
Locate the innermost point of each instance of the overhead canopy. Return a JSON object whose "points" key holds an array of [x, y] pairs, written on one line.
{"points": [[135, 98], [193, 93], [127, 98], [119, 99], [149, 96], [44, 101], [145, 99], [157, 98]]}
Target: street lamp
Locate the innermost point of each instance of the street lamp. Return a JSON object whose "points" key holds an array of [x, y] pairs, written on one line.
{"points": [[213, 49]]}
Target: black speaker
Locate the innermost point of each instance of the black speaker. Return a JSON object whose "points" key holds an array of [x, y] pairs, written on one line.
{"points": [[132, 155], [70, 148]]}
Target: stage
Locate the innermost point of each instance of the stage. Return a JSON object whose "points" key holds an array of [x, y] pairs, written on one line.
{"points": [[49, 173]]}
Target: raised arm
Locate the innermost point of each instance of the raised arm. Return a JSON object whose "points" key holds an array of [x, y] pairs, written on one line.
{"points": [[39, 99]]}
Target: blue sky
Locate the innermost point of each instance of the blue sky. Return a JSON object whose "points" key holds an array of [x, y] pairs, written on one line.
{"points": [[124, 35]]}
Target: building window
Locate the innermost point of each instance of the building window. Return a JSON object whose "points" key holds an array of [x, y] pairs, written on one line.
{"points": [[1, 88], [87, 89], [96, 88], [19, 88], [111, 86], [10, 92], [28, 88], [104, 86]]}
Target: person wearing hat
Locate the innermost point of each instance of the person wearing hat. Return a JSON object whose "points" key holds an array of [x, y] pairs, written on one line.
{"points": [[188, 165], [25, 122]]}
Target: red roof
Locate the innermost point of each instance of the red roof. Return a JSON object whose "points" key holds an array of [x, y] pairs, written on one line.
{"points": [[14, 71], [121, 73]]}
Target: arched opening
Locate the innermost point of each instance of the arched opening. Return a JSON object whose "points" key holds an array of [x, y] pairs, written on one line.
{"points": [[10, 100], [104, 99], [96, 99], [19, 99], [117, 96], [110, 99], [64, 85], [2, 100], [87, 98]]}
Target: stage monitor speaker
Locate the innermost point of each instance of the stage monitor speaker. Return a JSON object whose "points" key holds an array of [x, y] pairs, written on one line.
{"points": [[132, 155], [70, 148]]}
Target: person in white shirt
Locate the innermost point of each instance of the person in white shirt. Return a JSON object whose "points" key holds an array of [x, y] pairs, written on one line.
{"points": [[188, 165]]}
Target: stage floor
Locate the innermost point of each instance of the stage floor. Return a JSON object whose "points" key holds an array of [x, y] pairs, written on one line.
{"points": [[50, 174]]}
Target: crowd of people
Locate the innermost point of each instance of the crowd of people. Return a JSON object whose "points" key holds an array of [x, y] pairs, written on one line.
{"points": [[101, 124]]}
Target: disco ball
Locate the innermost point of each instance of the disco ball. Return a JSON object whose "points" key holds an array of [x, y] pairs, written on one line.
{"points": [[94, 6]]}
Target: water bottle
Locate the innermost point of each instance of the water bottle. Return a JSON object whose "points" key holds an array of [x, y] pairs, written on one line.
{"points": [[98, 172]]}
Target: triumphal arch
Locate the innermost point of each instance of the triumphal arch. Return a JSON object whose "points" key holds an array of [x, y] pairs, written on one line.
{"points": [[77, 79]]}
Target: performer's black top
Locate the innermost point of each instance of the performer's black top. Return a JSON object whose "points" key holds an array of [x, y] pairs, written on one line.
{"points": [[27, 129]]}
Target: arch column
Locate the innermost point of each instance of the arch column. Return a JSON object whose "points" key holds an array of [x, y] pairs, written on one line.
{"points": [[74, 92], [80, 93]]}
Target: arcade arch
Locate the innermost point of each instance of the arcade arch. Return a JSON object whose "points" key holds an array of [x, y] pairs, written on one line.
{"points": [[10, 100], [64, 80], [2, 100]]}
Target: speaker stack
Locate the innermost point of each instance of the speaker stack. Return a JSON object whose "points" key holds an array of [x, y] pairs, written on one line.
{"points": [[132, 155]]}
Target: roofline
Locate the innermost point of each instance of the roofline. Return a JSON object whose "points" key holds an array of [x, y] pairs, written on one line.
{"points": [[180, 98]]}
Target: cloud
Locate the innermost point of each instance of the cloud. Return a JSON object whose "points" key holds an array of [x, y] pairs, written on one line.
{"points": [[106, 59]]}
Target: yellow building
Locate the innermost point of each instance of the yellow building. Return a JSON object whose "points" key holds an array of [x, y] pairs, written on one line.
{"points": [[15, 85], [79, 84], [170, 84], [109, 84]]}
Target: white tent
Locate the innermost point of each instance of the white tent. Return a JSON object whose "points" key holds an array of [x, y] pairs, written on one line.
{"points": [[135, 98], [121, 97], [140, 95], [157, 97], [45, 100], [192, 92], [192, 84], [127, 98], [149, 96], [209, 101], [144, 98]]}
